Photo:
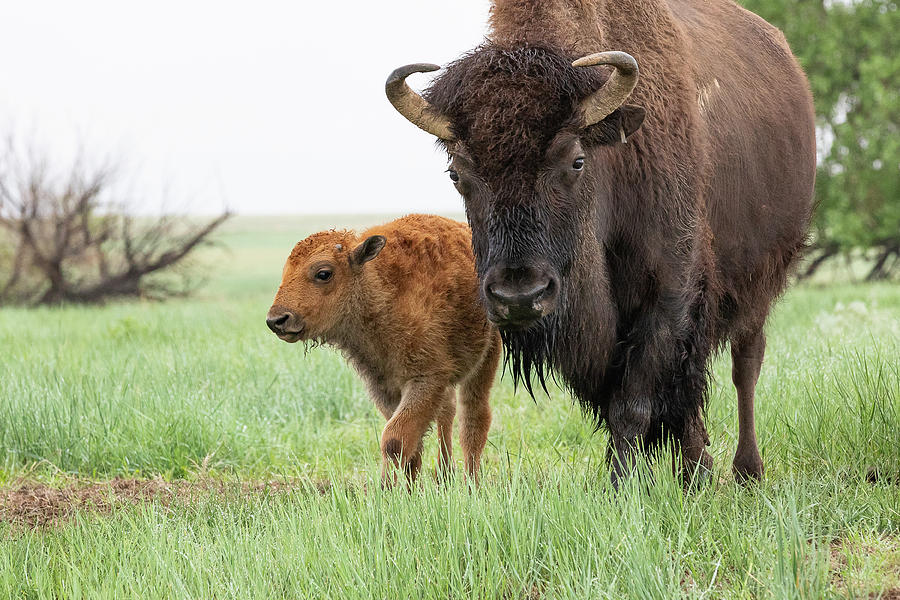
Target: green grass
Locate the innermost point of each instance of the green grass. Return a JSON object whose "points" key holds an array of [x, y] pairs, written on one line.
{"points": [[200, 389]]}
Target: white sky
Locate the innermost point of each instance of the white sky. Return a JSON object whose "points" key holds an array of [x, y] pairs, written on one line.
{"points": [[273, 109]]}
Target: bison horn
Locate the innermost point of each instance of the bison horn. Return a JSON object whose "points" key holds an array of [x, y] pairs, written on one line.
{"points": [[413, 106], [618, 87]]}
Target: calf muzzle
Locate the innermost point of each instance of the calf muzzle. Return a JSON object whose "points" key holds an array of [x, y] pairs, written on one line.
{"points": [[284, 323]]}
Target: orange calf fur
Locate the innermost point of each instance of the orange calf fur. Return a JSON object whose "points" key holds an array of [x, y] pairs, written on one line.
{"points": [[401, 302]]}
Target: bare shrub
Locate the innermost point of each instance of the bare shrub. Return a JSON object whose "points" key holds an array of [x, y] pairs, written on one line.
{"points": [[68, 238]]}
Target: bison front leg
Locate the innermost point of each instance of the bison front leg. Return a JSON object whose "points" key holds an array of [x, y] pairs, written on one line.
{"points": [[629, 424], [696, 462], [663, 390], [630, 414], [632, 432], [401, 440]]}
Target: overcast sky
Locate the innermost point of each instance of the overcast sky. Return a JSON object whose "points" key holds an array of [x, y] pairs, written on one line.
{"points": [[266, 107]]}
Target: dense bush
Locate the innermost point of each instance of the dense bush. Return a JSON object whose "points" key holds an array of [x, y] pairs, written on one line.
{"points": [[851, 53]]}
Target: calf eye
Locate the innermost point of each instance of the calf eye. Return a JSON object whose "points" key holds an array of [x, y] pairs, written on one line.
{"points": [[578, 164], [454, 176], [324, 275]]}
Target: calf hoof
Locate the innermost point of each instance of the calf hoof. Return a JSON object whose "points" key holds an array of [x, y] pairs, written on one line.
{"points": [[747, 469], [444, 475], [412, 467], [394, 459], [388, 476], [473, 479], [392, 451]]}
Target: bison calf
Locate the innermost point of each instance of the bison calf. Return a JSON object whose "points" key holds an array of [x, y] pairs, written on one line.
{"points": [[401, 303]]}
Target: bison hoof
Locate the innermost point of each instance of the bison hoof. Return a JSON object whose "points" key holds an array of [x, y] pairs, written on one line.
{"points": [[698, 473], [747, 469]]}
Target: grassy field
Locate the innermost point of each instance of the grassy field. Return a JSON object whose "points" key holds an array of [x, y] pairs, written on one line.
{"points": [[264, 464]]}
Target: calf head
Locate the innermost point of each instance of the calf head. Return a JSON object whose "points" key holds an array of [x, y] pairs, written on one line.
{"points": [[318, 285]]}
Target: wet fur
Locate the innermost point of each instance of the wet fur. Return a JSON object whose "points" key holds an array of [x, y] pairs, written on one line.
{"points": [[674, 243]]}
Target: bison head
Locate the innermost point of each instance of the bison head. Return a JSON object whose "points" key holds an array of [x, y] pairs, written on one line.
{"points": [[525, 129]]}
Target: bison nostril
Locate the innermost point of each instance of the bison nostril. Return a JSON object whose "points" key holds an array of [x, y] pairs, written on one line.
{"points": [[522, 296], [550, 288], [501, 293], [276, 324]]}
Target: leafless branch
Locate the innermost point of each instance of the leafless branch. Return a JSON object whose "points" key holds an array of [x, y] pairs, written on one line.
{"points": [[68, 239]]}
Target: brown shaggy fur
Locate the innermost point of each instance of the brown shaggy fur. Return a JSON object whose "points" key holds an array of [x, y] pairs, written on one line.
{"points": [[410, 321], [660, 250]]}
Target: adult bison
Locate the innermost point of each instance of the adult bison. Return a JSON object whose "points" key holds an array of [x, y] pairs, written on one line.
{"points": [[622, 266]]}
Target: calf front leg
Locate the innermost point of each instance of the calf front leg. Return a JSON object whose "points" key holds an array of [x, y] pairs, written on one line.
{"points": [[445, 416], [475, 409], [401, 440]]}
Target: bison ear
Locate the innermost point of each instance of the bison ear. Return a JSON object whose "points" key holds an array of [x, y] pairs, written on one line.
{"points": [[617, 127], [368, 250]]}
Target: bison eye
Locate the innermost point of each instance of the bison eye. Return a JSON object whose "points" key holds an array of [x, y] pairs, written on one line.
{"points": [[454, 176], [578, 164], [323, 275]]}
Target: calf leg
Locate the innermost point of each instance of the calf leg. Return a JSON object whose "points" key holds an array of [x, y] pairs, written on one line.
{"points": [[746, 360], [445, 416], [401, 440], [385, 398], [475, 409]]}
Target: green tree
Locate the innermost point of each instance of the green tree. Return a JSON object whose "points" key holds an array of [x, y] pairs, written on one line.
{"points": [[850, 51]]}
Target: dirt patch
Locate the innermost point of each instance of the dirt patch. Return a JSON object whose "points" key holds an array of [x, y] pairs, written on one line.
{"points": [[878, 557], [32, 504], [36, 504]]}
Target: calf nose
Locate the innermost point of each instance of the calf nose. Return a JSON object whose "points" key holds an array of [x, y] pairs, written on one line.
{"points": [[276, 322]]}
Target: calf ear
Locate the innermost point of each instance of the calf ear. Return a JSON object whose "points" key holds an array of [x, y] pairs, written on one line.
{"points": [[617, 127], [368, 250]]}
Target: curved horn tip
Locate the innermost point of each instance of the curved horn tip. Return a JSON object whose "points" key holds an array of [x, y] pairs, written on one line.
{"points": [[620, 59], [401, 73], [617, 88], [413, 106]]}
